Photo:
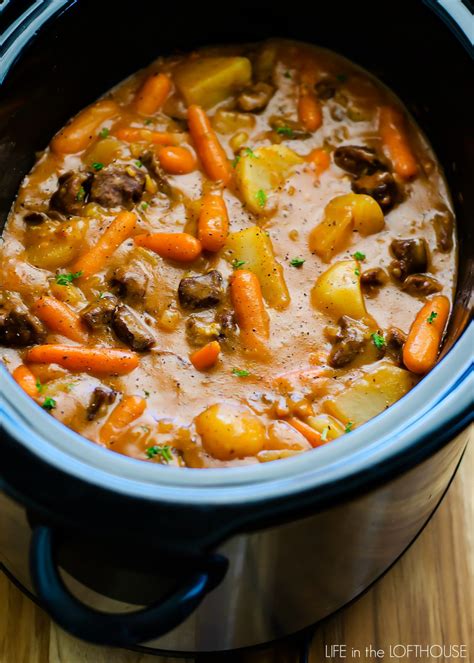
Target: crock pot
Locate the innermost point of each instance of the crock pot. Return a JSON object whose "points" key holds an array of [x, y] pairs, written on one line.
{"points": [[128, 553]]}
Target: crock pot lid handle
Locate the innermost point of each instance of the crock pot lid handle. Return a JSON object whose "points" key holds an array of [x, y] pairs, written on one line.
{"points": [[115, 629]]}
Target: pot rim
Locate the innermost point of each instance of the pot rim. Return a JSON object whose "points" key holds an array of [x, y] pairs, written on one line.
{"points": [[418, 419]]}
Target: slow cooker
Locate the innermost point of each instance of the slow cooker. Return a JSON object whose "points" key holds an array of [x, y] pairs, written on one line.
{"points": [[127, 553]]}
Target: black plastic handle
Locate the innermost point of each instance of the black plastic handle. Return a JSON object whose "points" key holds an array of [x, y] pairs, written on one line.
{"points": [[115, 629]]}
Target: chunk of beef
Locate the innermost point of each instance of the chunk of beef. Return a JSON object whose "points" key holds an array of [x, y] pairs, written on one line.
{"points": [[35, 218], [131, 330], [228, 326], [326, 89], [255, 97], [70, 196], [203, 291], [443, 223], [98, 314], [380, 185], [117, 186], [395, 340], [420, 285], [18, 326], [374, 278], [150, 161], [358, 160], [100, 398], [349, 341], [201, 328], [131, 280], [411, 257]]}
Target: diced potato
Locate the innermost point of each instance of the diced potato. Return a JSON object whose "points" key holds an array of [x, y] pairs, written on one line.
{"points": [[327, 425], [209, 80], [229, 431], [371, 394], [341, 215], [337, 291], [254, 248], [68, 293], [334, 232], [259, 174], [104, 151], [228, 122], [53, 244]]}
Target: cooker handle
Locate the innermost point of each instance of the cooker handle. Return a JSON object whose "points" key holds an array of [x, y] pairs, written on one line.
{"points": [[115, 629]]}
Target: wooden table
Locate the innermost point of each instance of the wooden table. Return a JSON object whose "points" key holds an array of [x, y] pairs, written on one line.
{"points": [[425, 599]]}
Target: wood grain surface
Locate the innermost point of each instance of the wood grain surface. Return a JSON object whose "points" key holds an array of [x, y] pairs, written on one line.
{"points": [[426, 599]]}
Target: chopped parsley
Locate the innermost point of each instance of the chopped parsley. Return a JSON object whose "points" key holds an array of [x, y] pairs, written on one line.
{"points": [[297, 262], [147, 393], [378, 340], [250, 153], [430, 319], [66, 279], [240, 372], [324, 434], [138, 164], [49, 404], [81, 194], [96, 165], [287, 74], [39, 386], [164, 452], [357, 271], [358, 255], [261, 197], [285, 131], [103, 133], [144, 205], [237, 264], [148, 121], [235, 161], [342, 78], [349, 427]]}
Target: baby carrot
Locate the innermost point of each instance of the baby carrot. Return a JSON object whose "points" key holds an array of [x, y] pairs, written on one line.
{"points": [[309, 109], [206, 356], [394, 137], [213, 223], [424, 338], [129, 409], [137, 135], [174, 246], [209, 149], [320, 158], [80, 358], [27, 381], [176, 160], [250, 312], [119, 230], [312, 435], [60, 318], [152, 94], [81, 131]]}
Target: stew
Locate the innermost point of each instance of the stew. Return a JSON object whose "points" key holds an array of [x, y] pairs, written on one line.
{"points": [[235, 256]]}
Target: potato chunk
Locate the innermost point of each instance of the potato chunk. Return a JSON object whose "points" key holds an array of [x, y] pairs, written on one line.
{"points": [[371, 394], [254, 249], [229, 431], [54, 244], [342, 215], [209, 80], [337, 291], [260, 173]]}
